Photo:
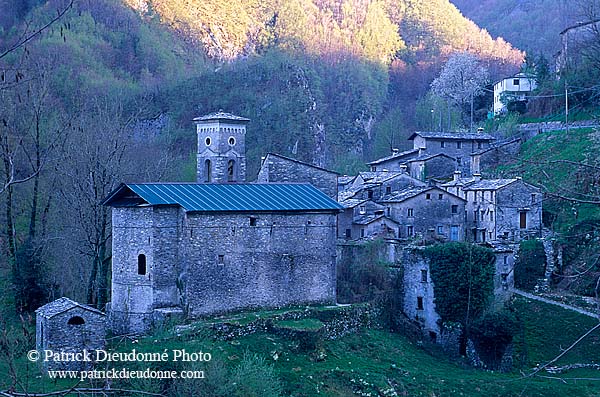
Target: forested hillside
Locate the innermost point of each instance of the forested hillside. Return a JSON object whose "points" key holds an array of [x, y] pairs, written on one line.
{"points": [[532, 25]]}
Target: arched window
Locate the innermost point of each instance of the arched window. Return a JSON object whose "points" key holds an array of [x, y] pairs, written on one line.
{"points": [[141, 264], [207, 171], [231, 171], [76, 320]]}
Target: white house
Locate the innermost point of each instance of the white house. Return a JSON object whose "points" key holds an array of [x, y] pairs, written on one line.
{"points": [[512, 89]]}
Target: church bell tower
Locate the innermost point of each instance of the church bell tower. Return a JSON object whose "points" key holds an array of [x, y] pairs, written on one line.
{"points": [[221, 148]]}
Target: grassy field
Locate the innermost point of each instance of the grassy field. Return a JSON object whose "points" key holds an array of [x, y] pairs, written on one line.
{"points": [[369, 363]]}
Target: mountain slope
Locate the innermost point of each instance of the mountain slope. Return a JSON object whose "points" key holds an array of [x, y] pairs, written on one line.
{"points": [[532, 25]]}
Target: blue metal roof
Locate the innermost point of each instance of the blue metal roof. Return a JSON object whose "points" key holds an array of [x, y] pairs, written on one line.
{"points": [[226, 197]]}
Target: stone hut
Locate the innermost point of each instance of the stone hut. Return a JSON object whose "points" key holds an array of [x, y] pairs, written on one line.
{"points": [[67, 326]]}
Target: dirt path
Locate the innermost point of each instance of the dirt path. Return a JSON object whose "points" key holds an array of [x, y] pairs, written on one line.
{"points": [[551, 302]]}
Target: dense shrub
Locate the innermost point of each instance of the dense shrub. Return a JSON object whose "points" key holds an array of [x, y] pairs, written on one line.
{"points": [[462, 274], [530, 264], [491, 334]]}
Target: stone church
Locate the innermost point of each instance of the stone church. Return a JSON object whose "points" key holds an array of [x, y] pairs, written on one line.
{"points": [[195, 249]]}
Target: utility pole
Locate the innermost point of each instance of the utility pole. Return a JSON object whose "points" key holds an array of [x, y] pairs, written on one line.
{"points": [[432, 121], [566, 108], [471, 127]]}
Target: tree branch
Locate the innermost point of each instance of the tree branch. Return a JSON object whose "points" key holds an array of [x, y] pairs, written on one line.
{"points": [[31, 36]]}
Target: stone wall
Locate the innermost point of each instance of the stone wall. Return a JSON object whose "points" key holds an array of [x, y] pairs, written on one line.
{"points": [[277, 168], [154, 232], [428, 214], [418, 299], [513, 199], [497, 155], [435, 167], [264, 260]]}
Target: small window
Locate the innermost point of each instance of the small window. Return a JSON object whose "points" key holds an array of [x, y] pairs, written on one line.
{"points": [[207, 171], [410, 231], [221, 259], [442, 144], [410, 212], [142, 264], [420, 303], [505, 259], [76, 320], [515, 81], [231, 171], [440, 230], [479, 145], [458, 145], [476, 215], [388, 211], [348, 233], [455, 209], [252, 221], [459, 160], [370, 194], [440, 196], [423, 276], [533, 198], [362, 232], [231, 141], [428, 196], [388, 190], [362, 209], [207, 141], [491, 216]]}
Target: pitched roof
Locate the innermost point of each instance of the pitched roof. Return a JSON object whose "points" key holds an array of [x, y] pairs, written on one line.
{"points": [[61, 305], [380, 176], [366, 219], [476, 136], [460, 182], [302, 163], [222, 116], [240, 197], [429, 156], [406, 153], [402, 195], [352, 202], [344, 180], [490, 184], [405, 194]]}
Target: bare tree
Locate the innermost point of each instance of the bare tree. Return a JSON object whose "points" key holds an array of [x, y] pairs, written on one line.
{"points": [[102, 153]]}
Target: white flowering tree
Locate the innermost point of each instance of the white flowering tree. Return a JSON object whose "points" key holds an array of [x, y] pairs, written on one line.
{"points": [[462, 79]]}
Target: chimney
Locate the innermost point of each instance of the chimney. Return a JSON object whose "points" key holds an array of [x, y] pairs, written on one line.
{"points": [[403, 168], [479, 130], [395, 151], [477, 177], [456, 176]]}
